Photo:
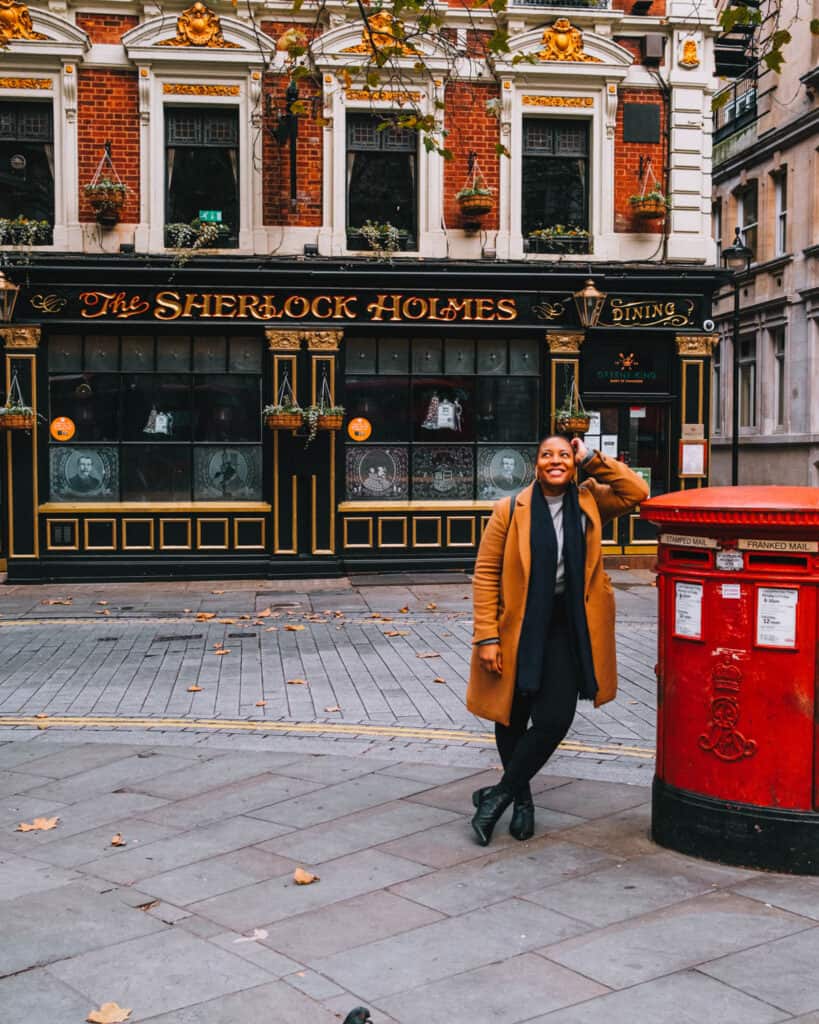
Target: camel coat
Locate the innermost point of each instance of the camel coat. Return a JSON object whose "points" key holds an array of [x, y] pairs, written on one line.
{"points": [[501, 583]]}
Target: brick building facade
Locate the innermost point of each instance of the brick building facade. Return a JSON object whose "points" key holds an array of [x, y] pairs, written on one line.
{"points": [[257, 246]]}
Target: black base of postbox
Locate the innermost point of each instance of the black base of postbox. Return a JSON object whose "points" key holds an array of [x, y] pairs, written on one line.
{"points": [[740, 834]]}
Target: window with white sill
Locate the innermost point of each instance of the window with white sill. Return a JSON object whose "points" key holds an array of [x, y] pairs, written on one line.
{"points": [[26, 173], [781, 213], [747, 382], [555, 185], [778, 353], [748, 216]]}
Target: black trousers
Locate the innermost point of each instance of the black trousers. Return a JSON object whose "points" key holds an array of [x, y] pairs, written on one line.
{"points": [[539, 721]]}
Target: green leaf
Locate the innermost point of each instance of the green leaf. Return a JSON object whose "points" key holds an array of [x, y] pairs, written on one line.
{"points": [[501, 150], [498, 42], [780, 38], [774, 60], [814, 26]]}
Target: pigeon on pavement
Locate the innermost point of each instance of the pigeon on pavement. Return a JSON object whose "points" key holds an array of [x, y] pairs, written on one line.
{"points": [[360, 1015]]}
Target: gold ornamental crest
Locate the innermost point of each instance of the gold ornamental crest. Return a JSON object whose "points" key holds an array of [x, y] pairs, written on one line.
{"points": [[15, 22], [198, 26], [382, 32], [562, 41]]}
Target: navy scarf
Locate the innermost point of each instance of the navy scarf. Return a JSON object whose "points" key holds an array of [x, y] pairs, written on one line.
{"points": [[534, 634]]}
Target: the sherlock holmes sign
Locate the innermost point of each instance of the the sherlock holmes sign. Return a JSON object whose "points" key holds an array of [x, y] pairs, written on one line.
{"points": [[311, 305]]}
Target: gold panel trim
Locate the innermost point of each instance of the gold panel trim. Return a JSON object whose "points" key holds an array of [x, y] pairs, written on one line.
{"points": [[386, 95], [404, 530], [283, 341], [174, 547], [426, 519], [16, 22], [556, 400], [634, 541], [157, 506], [212, 547], [63, 547], [484, 523], [696, 344], [569, 342], [248, 547], [450, 543], [558, 101], [10, 442], [358, 519], [199, 26], [26, 83], [325, 341], [415, 506], [562, 41], [188, 89], [21, 337], [137, 547], [99, 547]]}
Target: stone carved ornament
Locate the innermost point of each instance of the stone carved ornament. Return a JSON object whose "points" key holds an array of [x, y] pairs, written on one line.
{"points": [[15, 22], [562, 41], [379, 35], [198, 26]]}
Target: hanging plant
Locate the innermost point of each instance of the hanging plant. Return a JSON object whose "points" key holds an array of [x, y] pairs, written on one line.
{"points": [[106, 191], [285, 413], [330, 416], [650, 203], [476, 198], [15, 414], [571, 417]]}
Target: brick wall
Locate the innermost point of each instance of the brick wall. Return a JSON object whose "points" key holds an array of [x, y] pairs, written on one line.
{"points": [[657, 9], [277, 206], [627, 164], [106, 28], [470, 128], [107, 108]]}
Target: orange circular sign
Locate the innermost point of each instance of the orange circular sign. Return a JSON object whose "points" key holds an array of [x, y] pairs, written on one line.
{"points": [[62, 428], [359, 428]]}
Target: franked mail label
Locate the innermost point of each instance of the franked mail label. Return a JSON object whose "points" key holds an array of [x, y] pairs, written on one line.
{"points": [[789, 546]]}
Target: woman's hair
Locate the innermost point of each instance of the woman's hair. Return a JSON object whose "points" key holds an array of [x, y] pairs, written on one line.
{"points": [[556, 433]]}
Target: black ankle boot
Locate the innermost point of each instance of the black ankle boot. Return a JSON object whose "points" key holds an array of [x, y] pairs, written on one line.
{"points": [[491, 802], [522, 825]]}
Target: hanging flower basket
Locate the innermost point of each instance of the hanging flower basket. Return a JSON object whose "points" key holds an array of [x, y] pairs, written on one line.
{"points": [[283, 419], [107, 199], [330, 420], [476, 204], [476, 198], [16, 418], [649, 207], [573, 424]]}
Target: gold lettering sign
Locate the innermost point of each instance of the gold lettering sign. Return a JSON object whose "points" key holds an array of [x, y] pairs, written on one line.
{"points": [[648, 313], [25, 83], [558, 101], [183, 89], [389, 307]]}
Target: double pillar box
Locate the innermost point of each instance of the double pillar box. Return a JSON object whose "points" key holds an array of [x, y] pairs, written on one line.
{"points": [[737, 775]]}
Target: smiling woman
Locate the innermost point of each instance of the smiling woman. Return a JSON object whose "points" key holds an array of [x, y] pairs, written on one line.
{"points": [[544, 617]]}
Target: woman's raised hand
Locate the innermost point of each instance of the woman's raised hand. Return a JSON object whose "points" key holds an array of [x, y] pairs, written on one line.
{"points": [[579, 449]]}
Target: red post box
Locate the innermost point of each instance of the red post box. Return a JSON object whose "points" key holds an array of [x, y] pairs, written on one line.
{"points": [[737, 776]]}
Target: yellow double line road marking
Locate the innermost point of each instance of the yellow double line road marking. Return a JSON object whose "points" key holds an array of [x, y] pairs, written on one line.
{"points": [[304, 728]]}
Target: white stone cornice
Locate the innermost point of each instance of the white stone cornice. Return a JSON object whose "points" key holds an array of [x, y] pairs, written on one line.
{"points": [[64, 40]]}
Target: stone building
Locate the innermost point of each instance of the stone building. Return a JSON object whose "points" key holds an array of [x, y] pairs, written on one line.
{"points": [[231, 261], [765, 173]]}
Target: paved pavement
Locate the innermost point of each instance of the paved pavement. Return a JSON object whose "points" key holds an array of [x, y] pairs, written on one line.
{"points": [[196, 918]]}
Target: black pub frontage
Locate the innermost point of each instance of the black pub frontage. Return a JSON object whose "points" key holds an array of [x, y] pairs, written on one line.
{"points": [[150, 457]]}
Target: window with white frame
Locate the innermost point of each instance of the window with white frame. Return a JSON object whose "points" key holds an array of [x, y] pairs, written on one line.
{"points": [[781, 213], [778, 347], [382, 183], [716, 390], [27, 171], [716, 226], [202, 172], [748, 215], [747, 381], [555, 185]]}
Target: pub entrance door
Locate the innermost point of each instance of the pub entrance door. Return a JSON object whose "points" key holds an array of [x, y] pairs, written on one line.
{"points": [[637, 433]]}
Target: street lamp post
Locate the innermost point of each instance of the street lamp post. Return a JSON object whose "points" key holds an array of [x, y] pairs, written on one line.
{"points": [[737, 258]]}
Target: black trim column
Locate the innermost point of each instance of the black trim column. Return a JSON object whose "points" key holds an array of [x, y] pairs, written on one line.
{"points": [[695, 351], [20, 346]]}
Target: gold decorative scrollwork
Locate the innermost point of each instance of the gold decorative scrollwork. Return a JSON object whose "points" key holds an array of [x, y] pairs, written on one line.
{"points": [[186, 89], [15, 22], [198, 26], [548, 310], [380, 34], [562, 41], [558, 101], [696, 344], [390, 95], [565, 341], [325, 341], [25, 83], [20, 337], [48, 303], [283, 341]]}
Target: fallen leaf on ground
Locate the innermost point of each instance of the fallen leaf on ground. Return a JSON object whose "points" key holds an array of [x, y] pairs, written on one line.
{"points": [[204, 616], [374, 615], [257, 936], [431, 606], [38, 825], [117, 840], [261, 703], [109, 1013], [102, 602], [42, 725], [297, 682], [104, 612], [271, 629], [226, 622], [194, 689], [292, 628], [217, 591], [427, 654], [221, 651], [41, 714], [149, 905], [218, 644], [263, 614], [339, 615], [397, 632], [403, 610], [333, 707], [187, 609], [302, 877], [57, 600], [465, 597], [439, 679]]}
